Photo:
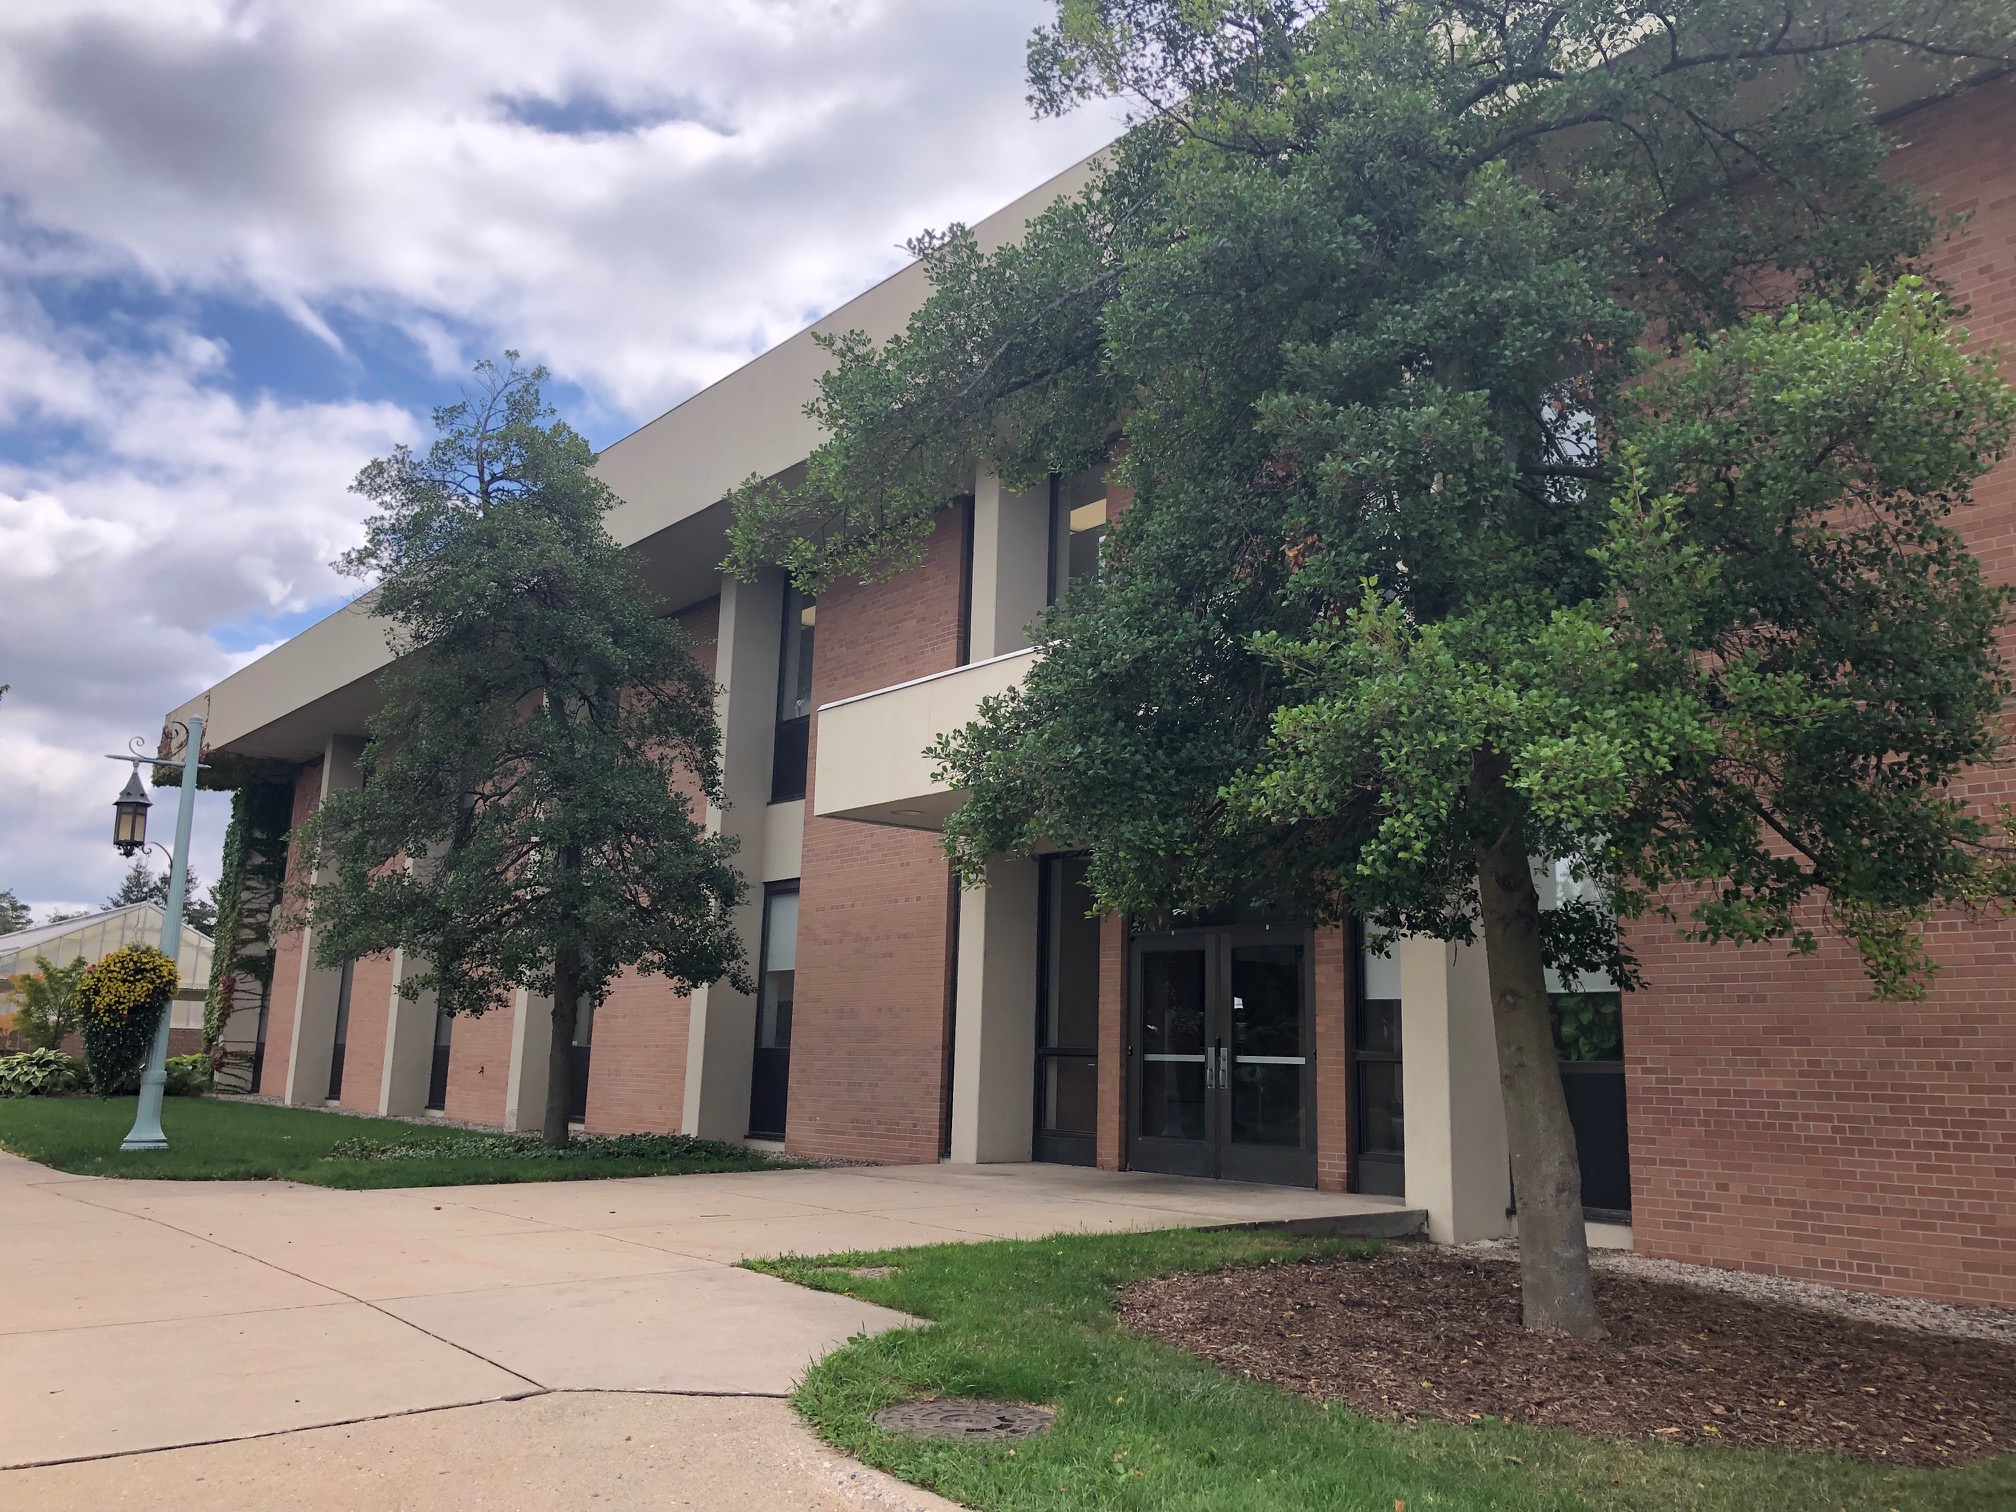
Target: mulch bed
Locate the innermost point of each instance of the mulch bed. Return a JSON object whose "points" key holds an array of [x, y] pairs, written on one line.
{"points": [[1418, 1332]]}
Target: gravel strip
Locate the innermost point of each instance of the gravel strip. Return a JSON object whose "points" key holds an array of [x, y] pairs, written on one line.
{"points": [[1954, 1320]]}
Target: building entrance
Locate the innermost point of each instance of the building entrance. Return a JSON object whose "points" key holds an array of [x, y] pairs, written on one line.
{"points": [[1221, 1078]]}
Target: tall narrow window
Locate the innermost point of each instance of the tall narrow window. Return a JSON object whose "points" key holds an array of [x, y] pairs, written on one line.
{"points": [[1067, 1017], [342, 1033], [577, 1062], [437, 1076], [794, 699], [1078, 524], [770, 1075], [1379, 1112]]}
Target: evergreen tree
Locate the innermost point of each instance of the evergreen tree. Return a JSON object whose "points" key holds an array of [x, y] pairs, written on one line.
{"points": [[1543, 445], [532, 809], [14, 914]]}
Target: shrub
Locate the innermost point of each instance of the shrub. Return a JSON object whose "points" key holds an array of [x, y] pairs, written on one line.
{"points": [[40, 1073], [119, 1002], [47, 1011], [188, 1075]]}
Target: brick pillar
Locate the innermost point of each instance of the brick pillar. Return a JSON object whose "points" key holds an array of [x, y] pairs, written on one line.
{"points": [[1331, 1016], [1110, 1142]]}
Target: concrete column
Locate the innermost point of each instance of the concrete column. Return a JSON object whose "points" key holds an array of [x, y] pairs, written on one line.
{"points": [[721, 1039], [1456, 1158], [531, 1046], [409, 1044], [313, 1037], [994, 1038], [1011, 566]]}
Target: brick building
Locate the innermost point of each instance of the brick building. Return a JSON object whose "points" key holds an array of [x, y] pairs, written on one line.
{"points": [[1759, 1112]]}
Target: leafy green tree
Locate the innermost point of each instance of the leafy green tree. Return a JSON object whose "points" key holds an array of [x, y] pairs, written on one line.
{"points": [[142, 884], [1543, 446], [531, 810], [44, 1012], [15, 915]]}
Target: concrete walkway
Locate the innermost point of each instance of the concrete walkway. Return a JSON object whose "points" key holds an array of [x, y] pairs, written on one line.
{"points": [[227, 1344]]}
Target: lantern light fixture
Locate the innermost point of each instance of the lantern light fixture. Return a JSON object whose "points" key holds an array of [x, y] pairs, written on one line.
{"points": [[129, 815]]}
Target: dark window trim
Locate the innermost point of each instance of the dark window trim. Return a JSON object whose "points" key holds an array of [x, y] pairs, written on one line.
{"points": [[770, 890], [1074, 1149]]}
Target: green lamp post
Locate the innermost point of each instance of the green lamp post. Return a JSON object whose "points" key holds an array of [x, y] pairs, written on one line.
{"points": [[129, 834]]}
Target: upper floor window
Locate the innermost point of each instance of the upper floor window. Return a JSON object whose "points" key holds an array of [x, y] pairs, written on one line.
{"points": [[1078, 522], [794, 699]]}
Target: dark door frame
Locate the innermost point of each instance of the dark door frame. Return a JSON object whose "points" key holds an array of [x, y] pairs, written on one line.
{"points": [[1217, 1155]]}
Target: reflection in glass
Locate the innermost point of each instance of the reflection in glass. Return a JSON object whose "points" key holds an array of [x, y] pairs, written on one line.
{"points": [[1070, 1094], [1383, 1128], [1067, 1028], [1078, 530], [1267, 1049], [780, 961], [1172, 1044]]}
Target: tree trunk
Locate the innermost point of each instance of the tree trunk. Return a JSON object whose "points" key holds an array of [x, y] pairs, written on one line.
{"points": [[560, 1048], [1546, 1173]]}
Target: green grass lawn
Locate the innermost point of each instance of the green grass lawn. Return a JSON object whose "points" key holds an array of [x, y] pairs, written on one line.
{"points": [[1143, 1426], [211, 1140]]}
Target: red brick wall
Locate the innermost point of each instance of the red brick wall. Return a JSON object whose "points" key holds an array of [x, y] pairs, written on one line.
{"points": [[1780, 1120], [364, 1035], [1331, 1015], [479, 1067], [637, 1068], [868, 1044], [1110, 1129], [287, 949]]}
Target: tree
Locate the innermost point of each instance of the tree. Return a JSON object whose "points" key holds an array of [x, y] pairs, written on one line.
{"points": [[1543, 444], [45, 1014], [530, 814], [142, 884], [14, 914]]}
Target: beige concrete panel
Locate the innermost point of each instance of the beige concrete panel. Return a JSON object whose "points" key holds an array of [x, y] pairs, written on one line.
{"points": [[681, 1454], [707, 1329], [312, 1041], [531, 1060], [726, 1240], [783, 841], [871, 748], [994, 1043], [138, 1273], [721, 1032], [409, 1044], [375, 1271], [1456, 1156], [615, 1205], [85, 1391], [1011, 566], [1038, 1220]]}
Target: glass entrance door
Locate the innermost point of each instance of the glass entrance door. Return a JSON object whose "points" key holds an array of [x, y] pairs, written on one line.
{"points": [[1222, 1080]]}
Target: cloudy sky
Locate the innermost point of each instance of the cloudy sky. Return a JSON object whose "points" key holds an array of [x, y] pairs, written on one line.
{"points": [[245, 244]]}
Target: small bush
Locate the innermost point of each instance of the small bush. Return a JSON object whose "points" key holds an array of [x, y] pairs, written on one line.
{"points": [[188, 1075], [40, 1073], [120, 1001]]}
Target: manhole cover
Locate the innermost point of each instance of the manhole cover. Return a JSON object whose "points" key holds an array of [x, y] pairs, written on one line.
{"points": [[964, 1418]]}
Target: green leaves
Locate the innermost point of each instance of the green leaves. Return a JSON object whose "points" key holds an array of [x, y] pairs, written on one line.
{"points": [[536, 777], [1370, 292]]}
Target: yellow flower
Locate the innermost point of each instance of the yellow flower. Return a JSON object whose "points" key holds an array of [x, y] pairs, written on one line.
{"points": [[133, 980]]}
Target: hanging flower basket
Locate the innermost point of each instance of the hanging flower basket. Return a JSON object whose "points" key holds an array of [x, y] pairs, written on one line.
{"points": [[119, 1005]]}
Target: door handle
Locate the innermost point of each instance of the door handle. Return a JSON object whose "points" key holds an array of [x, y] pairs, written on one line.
{"points": [[1215, 1059]]}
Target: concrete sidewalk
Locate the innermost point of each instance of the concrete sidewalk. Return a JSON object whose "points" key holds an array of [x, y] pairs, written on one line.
{"points": [[375, 1349]]}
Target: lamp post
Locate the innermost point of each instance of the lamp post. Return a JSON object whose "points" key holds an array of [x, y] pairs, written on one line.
{"points": [[129, 834]]}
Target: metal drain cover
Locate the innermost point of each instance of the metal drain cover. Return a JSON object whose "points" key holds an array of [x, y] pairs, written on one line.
{"points": [[962, 1418]]}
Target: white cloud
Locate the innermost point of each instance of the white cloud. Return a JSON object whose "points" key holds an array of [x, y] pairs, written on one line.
{"points": [[641, 193]]}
